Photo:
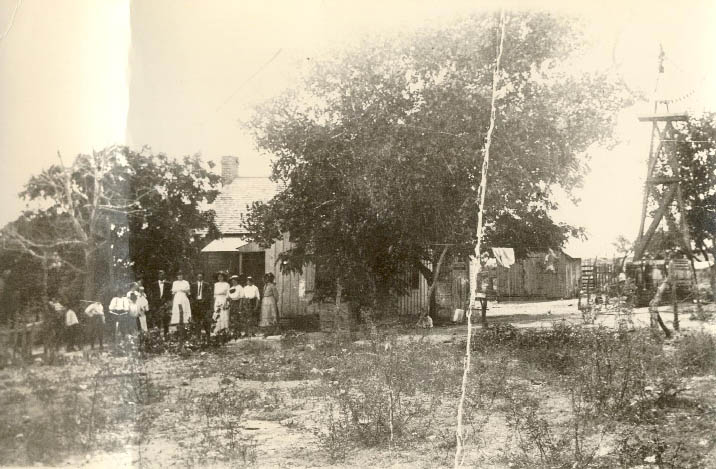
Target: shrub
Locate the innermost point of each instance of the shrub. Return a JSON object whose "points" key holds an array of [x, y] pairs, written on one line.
{"points": [[696, 354], [390, 395]]}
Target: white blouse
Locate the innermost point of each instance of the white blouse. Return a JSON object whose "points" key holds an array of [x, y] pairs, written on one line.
{"points": [[180, 286], [221, 289], [236, 293], [119, 303]]}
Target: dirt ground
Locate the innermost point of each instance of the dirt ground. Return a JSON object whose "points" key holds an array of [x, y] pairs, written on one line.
{"points": [[278, 387]]}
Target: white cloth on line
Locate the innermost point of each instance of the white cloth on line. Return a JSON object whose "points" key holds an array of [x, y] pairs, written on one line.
{"points": [[504, 256]]}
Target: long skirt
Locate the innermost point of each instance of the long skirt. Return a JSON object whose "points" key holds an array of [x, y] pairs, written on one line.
{"points": [[221, 314], [269, 312], [142, 322], [235, 315], [180, 298]]}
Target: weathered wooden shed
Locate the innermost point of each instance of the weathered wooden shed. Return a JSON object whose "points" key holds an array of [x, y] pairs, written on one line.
{"points": [[549, 274]]}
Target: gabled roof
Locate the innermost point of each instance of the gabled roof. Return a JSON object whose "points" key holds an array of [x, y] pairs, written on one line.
{"points": [[233, 202]]}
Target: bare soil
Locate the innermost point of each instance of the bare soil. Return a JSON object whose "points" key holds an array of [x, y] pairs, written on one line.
{"points": [[280, 387]]}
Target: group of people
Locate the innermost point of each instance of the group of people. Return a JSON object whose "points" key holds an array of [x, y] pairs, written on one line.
{"points": [[232, 306], [239, 307]]}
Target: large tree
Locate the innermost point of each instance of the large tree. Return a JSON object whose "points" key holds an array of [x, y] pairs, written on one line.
{"points": [[696, 153], [113, 214], [380, 147]]}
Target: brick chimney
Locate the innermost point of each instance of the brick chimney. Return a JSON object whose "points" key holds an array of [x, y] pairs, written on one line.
{"points": [[229, 169]]}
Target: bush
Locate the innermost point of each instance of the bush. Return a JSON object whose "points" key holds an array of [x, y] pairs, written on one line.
{"points": [[696, 354], [389, 395]]}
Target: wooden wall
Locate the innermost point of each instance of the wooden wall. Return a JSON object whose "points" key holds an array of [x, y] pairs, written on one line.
{"points": [[528, 278], [415, 299], [295, 290]]}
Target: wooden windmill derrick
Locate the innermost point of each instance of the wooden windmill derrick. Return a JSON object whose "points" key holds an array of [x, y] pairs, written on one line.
{"points": [[662, 170]]}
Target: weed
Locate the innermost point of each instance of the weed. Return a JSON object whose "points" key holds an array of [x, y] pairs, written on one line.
{"points": [[390, 395], [335, 436], [220, 434], [696, 354]]}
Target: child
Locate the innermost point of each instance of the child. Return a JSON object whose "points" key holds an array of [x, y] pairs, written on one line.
{"points": [[72, 329], [95, 315], [117, 309]]}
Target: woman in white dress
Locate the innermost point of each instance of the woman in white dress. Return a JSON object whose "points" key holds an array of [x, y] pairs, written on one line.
{"points": [[180, 290], [221, 306], [143, 308]]}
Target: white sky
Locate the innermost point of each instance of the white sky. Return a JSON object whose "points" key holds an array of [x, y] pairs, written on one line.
{"points": [[71, 79]]}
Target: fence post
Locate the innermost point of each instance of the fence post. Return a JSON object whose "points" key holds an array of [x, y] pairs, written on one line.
{"points": [[674, 299]]}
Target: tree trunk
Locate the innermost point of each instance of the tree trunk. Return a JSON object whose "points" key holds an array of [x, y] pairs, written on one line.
{"points": [[48, 319], [695, 286], [88, 290], [434, 283], [655, 318], [712, 268], [674, 298]]}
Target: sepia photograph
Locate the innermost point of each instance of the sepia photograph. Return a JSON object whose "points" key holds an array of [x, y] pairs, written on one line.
{"points": [[358, 234]]}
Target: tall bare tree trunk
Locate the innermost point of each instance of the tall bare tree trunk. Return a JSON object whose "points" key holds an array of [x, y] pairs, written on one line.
{"points": [[434, 283], [674, 298], [459, 433], [88, 290], [654, 317], [48, 326]]}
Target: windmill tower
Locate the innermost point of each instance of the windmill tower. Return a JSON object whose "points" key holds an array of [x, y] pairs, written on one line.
{"points": [[662, 187]]}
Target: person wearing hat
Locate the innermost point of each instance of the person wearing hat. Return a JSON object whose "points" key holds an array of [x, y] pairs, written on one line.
{"points": [[130, 320], [181, 309], [118, 309], [143, 308], [221, 312], [95, 319], [269, 303], [236, 297], [252, 300]]}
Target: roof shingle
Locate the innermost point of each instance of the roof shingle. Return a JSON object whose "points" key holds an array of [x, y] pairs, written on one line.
{"points": [[233, 203]]}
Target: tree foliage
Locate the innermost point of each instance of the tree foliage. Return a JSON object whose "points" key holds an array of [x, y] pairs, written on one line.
{"points": [[111, 215], [380, 147], [696, 153]]}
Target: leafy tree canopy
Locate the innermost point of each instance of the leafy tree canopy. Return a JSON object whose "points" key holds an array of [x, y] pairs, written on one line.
{"points": [[113, 214], [696, 153], [380, 147]]}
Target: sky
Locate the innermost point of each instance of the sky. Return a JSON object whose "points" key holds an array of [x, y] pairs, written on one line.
{"points": [[180, 76]]}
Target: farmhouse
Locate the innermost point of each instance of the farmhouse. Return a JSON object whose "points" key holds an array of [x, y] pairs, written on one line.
{"points": [[542, 274], [235, 254]]}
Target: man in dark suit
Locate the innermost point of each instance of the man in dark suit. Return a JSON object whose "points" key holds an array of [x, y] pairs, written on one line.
{"points": [[201, 305], [159, 292]]}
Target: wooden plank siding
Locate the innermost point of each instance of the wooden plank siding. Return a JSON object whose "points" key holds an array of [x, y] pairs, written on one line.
{"points": [[295, 290], [416, 298], [528, 278]]}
